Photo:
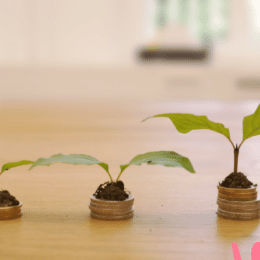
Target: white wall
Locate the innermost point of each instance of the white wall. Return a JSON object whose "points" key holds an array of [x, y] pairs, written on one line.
{"points": [[106, 32], [69, 32], [99, 32]]}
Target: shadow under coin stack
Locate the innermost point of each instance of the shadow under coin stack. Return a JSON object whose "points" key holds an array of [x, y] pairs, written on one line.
{"points": [[112, 210], [238, 204]]}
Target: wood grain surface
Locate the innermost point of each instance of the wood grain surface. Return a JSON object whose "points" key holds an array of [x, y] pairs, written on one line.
{"points": [[174, 210]]}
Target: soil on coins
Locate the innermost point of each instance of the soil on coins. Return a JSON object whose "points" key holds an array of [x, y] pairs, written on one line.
{"points": [[7, 200], [237, 180], [111, 191]]}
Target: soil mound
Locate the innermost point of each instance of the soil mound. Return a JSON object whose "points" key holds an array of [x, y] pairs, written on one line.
{"points": [[111, 191], [7, 200], [236, 180]]}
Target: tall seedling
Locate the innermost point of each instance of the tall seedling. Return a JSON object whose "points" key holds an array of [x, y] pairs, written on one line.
{"points": [[185, 123]]}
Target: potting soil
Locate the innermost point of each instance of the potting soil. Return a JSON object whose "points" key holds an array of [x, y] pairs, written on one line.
{"points": [[7, 200], [111, 191], [237, 180]]}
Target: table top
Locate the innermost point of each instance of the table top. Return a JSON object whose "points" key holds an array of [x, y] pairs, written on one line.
{"points": [[174, 210]]}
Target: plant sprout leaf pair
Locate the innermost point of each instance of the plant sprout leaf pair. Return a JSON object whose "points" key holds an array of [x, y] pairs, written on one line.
{"points": [[165, 158], [7, 166], [184, 123]]}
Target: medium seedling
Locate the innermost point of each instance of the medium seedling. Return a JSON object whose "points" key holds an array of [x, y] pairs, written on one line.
{"points": [[185, 123], [165, 158], [6, 199]]}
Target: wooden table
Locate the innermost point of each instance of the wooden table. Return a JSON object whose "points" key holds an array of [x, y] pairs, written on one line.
{"points": [[175, 211]]}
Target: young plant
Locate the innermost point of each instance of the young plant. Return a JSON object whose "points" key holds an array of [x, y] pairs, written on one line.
{"points": [[6, 199], [113, 190], [185, 123], [165, 158]]}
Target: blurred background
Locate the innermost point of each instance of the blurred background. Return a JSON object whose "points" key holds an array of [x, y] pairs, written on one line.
{"points": [[91, 49]]}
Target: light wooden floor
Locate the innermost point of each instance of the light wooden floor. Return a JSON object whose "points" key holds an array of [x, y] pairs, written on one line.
{"points": [[175, 211]]}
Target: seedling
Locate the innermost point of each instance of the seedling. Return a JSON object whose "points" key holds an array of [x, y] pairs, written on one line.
{"points": [[185, 123], [6, 199], [165, 158]]}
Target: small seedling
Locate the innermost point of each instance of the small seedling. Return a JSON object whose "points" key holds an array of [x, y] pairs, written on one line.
{"points": [[6, 199], [185, 123], [165, 158]]}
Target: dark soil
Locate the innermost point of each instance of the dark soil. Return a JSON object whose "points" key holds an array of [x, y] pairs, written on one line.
{"points": [[7, 200], [237, 180], [111, 191]]}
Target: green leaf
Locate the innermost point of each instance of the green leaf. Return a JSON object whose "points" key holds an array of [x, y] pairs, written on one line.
{"points": [[184, 123], [251, 124], [104, 166], [165, 158], [70, 159], [123, 167], [7, 166]]}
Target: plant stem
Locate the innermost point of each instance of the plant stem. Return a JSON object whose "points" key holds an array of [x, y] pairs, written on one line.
{"points": [[241, 143], [118, 177], [231, 142], [236, 152], [110, 177]]}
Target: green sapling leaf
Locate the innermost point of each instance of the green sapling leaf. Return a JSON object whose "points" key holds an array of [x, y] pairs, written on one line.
{"points": [[7, 166], [185, 123], [251, 124], [70, 159], [165, 158], [104, 166]]}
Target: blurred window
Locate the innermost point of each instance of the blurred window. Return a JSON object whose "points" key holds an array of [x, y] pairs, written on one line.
{"points": [[255, 20], [207, 19]]}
